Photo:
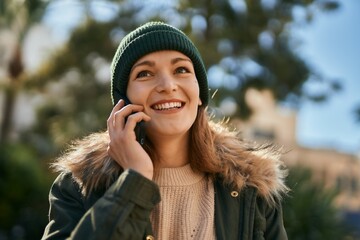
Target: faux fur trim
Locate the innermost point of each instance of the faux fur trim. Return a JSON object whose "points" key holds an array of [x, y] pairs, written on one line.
{"points": [[92, 168]]}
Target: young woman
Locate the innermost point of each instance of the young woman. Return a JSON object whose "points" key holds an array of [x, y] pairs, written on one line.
{"points": [[190, 178]]}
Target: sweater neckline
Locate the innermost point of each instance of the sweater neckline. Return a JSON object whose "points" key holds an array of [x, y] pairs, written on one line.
{"points": [[179, 176]]}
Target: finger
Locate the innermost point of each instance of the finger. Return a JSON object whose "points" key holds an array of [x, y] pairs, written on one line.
{"points": [[121, 115], [117, 107], [116, 122], [135, 118]]}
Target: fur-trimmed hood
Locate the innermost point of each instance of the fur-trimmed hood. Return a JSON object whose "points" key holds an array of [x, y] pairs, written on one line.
{"points": [[93, 169]]}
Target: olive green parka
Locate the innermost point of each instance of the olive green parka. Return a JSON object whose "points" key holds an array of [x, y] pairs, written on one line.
{"points": [[83, 207]]}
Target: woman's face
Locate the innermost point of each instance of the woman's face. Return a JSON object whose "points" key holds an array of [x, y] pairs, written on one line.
{"points": [[165, 84]]}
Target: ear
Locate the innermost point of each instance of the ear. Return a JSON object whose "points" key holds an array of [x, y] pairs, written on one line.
{"points": [[200, 102]]}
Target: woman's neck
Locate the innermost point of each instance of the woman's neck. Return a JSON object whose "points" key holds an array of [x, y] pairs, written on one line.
{"points": [[172, 152]]}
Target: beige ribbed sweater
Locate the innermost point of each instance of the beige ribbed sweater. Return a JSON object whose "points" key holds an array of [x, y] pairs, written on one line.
{"points": [[186, 210]]}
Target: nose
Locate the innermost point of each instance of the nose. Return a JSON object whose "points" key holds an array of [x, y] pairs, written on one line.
{"points": [[166, 83]]}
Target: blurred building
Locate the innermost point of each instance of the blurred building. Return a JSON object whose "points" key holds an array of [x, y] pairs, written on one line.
{"points": [[334, 169]]}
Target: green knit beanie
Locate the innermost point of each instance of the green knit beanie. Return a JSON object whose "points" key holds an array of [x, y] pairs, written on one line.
{"points": [[152, 37]]}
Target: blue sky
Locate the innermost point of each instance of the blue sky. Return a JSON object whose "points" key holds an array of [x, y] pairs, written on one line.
{"points": [[331, 45]]}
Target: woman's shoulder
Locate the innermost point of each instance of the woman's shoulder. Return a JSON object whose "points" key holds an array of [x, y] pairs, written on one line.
{"points": [[258, 167], [87, 163]]}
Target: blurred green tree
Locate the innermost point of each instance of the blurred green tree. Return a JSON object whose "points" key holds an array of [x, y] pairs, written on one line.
{"points": [[16, 19], [24, 186], [24, 180], [309, 211]]}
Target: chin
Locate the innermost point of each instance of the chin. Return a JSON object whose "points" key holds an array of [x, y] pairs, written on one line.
{"points": [[167, 130]]}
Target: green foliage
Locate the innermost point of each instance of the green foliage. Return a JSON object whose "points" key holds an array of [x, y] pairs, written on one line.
{"points": [[23, 192], [309, 211]]}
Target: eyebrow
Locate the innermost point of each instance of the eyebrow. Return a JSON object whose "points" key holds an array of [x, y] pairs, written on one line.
{"points": [[143, 63], [151, 63]]}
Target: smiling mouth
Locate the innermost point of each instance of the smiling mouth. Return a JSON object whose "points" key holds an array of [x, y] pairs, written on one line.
{"points": [[167, 106]]}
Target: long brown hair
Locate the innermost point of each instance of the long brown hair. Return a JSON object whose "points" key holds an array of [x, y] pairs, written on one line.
{"points": [[202, 153]]}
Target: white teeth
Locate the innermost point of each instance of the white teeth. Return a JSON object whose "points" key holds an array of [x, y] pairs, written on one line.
{"points": [[166, 106]]}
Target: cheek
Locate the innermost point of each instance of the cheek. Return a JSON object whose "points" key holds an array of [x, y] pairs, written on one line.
{"points": [[137, 93], [193, 90]]}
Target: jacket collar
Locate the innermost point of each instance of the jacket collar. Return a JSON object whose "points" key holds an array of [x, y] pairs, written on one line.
{"points": [[93, 169]]}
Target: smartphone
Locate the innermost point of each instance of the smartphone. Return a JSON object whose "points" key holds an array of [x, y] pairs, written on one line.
{"points": [[139, 128]]}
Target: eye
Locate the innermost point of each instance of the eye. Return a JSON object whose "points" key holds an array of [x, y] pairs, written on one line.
{"points": [[182, 70], [143, 74]]}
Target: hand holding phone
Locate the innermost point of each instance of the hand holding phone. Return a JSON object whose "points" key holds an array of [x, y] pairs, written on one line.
{"points": [[122, 146]]}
